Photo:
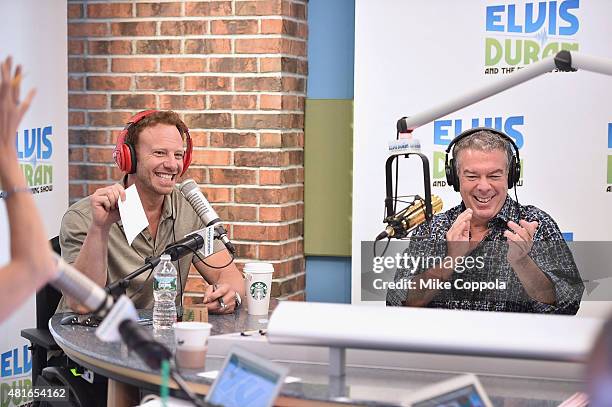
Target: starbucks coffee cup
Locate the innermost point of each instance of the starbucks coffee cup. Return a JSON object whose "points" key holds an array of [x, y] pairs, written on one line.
{"points": [[258, 283]]}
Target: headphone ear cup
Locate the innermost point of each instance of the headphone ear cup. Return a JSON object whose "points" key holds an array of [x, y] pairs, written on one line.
{"points": [[117, 156], [188, 154], [511, 175], [451, 175], [125, 158], [122, 157], [517, 171], [130, 154], [119, 151]]}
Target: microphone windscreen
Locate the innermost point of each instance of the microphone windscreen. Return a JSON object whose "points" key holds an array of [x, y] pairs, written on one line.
{"points": [[187, 186], [198, 202]]}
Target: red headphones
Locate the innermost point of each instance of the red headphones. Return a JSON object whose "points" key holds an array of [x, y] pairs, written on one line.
{"points": [[125, 153]]}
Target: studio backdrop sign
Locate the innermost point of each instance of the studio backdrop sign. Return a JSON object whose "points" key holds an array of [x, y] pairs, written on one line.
{"points": [[414, 55], [34, 33]]}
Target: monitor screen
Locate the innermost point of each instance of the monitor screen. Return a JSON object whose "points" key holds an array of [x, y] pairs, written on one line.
{"points": [[243, 383]]}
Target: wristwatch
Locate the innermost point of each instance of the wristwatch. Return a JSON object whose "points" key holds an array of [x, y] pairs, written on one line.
{"points": [[238, 299]]}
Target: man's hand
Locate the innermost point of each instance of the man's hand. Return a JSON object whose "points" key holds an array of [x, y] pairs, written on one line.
{"points": [[105, 205], [458, 236], [520, 240], [220, 299], [76, 306]]}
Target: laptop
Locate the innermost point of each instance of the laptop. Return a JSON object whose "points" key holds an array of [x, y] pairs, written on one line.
{"points": [[461, 391], [246, 380]]}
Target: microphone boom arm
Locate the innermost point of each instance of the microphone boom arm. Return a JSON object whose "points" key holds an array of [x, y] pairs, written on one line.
{"points": [[563, 60], [117, 288]]}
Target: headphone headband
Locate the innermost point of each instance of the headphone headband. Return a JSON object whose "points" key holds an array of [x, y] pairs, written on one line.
{"points": [[125, 152], [514, 168]]}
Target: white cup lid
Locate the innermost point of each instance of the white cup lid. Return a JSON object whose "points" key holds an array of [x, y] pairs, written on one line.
{"points": [[192, 326], [258, 268]]}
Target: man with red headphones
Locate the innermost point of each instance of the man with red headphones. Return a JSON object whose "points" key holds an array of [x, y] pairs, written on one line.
{"points": [[151, 151], [489, 253]]}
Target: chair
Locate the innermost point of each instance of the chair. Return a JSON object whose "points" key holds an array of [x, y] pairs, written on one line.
{"points": [[56, 371], [40, 338]]}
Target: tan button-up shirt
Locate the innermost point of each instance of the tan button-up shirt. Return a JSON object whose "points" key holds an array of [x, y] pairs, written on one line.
{"points": [[177, 220]]}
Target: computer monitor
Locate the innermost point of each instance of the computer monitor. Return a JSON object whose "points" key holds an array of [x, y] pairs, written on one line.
{"points": [[246, 380]]}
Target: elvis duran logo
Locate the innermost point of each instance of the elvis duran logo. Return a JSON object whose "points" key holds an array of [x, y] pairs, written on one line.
{"points": [[34, 152], [518, 33], [15, 374], [609, 188], [447, 129]]}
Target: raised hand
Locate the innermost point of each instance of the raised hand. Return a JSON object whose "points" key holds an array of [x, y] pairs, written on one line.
{"points": [[520, 240], [458, 236], [105, 205]]}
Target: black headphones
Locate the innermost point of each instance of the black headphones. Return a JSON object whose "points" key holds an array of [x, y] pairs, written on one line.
{"points": [[514, 172]]}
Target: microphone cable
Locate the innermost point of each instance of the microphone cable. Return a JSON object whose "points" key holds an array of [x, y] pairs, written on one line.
{"points": [[384, 250], [197, 254], [516, 196], [178, 263], [396, 200]]}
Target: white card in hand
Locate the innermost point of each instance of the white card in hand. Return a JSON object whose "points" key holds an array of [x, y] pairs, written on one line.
{"points": [[132, 214]]}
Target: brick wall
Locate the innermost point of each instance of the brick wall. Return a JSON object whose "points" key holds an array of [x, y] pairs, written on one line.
{"points": [[236, 73]]}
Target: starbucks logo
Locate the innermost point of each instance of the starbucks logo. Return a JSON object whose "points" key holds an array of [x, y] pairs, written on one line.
{"points": [[258, 290]]}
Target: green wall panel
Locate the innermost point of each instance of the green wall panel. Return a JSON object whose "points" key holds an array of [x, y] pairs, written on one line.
{"points": [[328, 165]]}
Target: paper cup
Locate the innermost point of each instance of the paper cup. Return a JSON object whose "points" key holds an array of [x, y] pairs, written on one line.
{"points": [[191, 339], [258, 283]]}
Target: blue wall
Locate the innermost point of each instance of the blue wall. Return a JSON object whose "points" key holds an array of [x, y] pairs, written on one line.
{"points": [[331, 52], [331, 49], [328, 279]]}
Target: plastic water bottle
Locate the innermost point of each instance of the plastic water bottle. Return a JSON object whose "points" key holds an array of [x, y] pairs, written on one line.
{"points": [[164, 291]]}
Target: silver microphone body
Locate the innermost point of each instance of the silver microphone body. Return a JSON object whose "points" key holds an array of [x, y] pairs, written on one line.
{"points": [[78, 286], [190, 190]]}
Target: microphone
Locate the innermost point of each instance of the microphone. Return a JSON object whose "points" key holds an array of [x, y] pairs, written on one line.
{"points": [[189, 244], [205, 211], [142, 342], [409, 218], [119, 320], [78, 286]]}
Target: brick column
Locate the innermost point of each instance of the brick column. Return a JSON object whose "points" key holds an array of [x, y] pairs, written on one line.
{"points": [[236, 72]]}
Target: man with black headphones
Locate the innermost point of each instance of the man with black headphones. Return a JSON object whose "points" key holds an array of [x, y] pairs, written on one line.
{"points": [[150, 150], [489, 253]]}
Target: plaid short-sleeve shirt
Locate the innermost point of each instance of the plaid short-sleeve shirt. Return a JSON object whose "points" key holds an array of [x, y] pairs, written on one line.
{"points": [[550, 253]]}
